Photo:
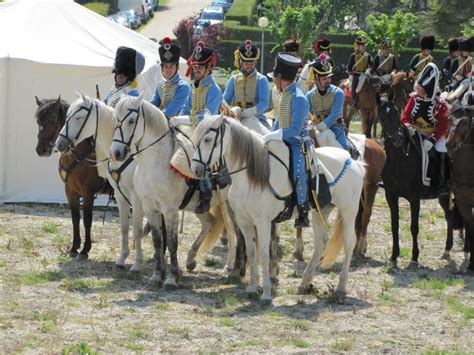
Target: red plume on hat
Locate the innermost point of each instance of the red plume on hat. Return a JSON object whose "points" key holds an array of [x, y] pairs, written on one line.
{"points": [[204, 56], [166, 40]]}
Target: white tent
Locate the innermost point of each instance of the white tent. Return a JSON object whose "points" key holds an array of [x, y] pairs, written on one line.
{"points": [[47, 48]]}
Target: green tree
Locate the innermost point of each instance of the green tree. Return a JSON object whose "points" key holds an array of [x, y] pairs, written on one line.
{"points": [[449, 16]]}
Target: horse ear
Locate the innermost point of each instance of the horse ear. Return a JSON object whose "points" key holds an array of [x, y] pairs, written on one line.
{"points": [[38, 101], [139, 99], [57, 104], [78, 94]]}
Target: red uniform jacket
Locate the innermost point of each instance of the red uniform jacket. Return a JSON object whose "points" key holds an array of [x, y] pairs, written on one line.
{"points": [[437, 117]]}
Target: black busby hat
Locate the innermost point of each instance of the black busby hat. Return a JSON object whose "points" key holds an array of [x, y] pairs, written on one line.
{"points": [[321, 66], [386, 43], [322, 44], [169, 52], [128, 62], [286, 66], [291, 45], [201, 55], [453, 44], [429, 80], [466, 44], [427, 42], [246, 53]]}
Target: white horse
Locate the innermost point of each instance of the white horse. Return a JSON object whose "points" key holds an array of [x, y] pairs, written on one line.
{"points": [[255, 174], [86, 118], [303, 77], [144, 131]]}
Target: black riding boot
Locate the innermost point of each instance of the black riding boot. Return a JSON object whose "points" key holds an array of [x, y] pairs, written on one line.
{"points": [[205, 196], [302, 220], [443, 173]]}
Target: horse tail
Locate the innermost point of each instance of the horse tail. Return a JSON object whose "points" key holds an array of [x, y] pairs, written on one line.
{"points": [[217, 227], [334, 245]]}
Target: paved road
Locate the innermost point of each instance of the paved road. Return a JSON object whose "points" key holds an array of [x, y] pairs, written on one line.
{"points": [[167, 17]]}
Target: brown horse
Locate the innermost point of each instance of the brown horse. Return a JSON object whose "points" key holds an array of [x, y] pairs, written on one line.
{"points": [[374, 157], [402, 86], [80, 180], [460, 145]]}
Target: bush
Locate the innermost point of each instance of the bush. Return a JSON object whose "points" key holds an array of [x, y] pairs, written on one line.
{"points": [[242, 11], [102, 8], [235, 31]]}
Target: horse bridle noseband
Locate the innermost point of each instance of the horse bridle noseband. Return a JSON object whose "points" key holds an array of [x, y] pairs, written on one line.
{"points": [[89, 112], [463, 143]]}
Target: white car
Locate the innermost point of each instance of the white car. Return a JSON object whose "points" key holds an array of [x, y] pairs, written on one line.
{"points": [[215, 14]]}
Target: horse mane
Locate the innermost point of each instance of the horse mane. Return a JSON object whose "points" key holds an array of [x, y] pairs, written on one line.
{"points": [[155, 118], [46, 106], [246, 147]]}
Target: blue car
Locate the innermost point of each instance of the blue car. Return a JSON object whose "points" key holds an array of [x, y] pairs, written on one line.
{"points": [[225, 4]]}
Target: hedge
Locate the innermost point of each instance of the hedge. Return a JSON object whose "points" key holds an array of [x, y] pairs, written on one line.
{"points": [[235, 31], [101, 8], [242, 11]]}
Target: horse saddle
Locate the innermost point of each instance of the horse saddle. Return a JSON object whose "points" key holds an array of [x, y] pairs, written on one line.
{"points": [[183, 156]]}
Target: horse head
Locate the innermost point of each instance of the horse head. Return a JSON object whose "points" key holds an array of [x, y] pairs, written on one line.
{"points": [[459, 127], [50, 116], [81, 123], [390, 120]]}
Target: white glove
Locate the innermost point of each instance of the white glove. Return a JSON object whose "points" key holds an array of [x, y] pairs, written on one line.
{"points": [[237, 112], [427, 145], [273, 136], [321, 126], [180, 120], [367, 72], [411, 130], [249, 112]]}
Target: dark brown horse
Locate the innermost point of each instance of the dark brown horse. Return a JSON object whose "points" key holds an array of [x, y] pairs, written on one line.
{"points": [[460, 145], [402, 178], [402, 86], [80, 179]]}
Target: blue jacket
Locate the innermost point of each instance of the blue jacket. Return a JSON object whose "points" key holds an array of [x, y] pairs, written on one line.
{"points": [[299, 116], [213, 98], [337, 104], [174, 107]]}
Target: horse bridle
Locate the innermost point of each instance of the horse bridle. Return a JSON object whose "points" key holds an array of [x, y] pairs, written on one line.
{"points": [[463, 143], [89, 112], [137, 144]]}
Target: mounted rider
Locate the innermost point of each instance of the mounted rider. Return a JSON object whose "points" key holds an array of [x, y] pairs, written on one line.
{"points": [[205, 98], [248, 89], [385, 63], [326, 101], [171, 92], [292, 46], [461, 69], [289, 126], [128, 64], [454, 52], [427, 114], [421, 60], [359, 66], [323, 46]]}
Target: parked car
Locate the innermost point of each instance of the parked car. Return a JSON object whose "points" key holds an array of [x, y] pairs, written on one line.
{"points": [[150, 8], [120, 19], [225, 4], [135, 21], [215, 14], [199, 27]]}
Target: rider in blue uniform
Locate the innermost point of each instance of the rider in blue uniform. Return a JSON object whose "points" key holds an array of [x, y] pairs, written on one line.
{"points": [[128, 64], [326, 100], [289, 126], [171, 92], [248, 89]]}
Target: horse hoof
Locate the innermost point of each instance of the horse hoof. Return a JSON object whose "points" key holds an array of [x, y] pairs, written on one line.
{"points": [[446, 256], [413, 265], [154, 285], [118, 267], [170, 287], [274, 281], [266, 302], [82, 257], [252, 295], [298, 256], [72, 255], [191, 266], [339, 297], [133, 274], [306, 290]]}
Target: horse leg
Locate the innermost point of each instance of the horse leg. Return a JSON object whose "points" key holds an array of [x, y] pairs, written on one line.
{"points": [[373, 120], [448, 215], [137, 219], [392, 201], [159, 273], [124, 213], [74, 205], [207, 221], [415, 215], [319, 238], [248, 230], [299, 246], [264, 235], [368, 198], [88, 206], [470, 240], [274, 269], [171, 220]]}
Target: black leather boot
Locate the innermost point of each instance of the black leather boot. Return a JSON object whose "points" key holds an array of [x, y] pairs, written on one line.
{"points": [[204, 204], [443, 166], [302, 221]]}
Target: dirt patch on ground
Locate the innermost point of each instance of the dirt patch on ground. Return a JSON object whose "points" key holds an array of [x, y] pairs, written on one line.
{"points": [[51, 304]]}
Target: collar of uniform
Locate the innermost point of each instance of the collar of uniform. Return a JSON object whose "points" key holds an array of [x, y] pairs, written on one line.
{"points": [[204, 82], [174, 79], [122, 86], [290, 88], [253, 73], [330, 89]]}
